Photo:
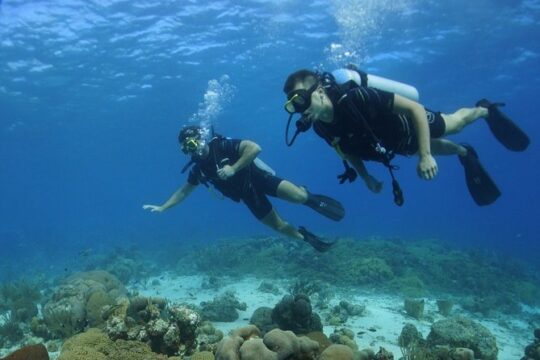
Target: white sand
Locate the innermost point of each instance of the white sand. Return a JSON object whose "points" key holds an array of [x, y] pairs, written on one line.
{"points": [[384, 313]]}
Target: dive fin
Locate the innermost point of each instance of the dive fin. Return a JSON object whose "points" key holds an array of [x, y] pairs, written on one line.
{"points": [[314, 240], [326, 206], [483, 189], [503, 128]]}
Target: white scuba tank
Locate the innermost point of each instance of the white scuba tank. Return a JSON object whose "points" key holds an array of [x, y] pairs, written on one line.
{"points": [[343, 75]]}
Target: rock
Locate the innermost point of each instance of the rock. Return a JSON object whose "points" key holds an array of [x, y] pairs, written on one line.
{"points": [[30, 352], [414, 308], [337, 352], [462, 332]]}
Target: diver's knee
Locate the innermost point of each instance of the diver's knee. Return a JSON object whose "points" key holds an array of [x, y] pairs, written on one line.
{"points": [[301, 196], [291, 192]]}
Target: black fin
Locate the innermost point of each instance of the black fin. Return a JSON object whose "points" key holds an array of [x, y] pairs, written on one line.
{"points": [[314, 240], [483, 189], [503, 128], [326, 206]]}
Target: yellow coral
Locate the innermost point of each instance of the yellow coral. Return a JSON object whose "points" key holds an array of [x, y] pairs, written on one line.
{"points": [[203, 355], [95, 345], [88, 345]]}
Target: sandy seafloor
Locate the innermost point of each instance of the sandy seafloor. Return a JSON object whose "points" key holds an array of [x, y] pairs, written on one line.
{"points": [[384, 313]]}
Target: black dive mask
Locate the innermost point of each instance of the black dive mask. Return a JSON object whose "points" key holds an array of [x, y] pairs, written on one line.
{"points": [[299, 100]]}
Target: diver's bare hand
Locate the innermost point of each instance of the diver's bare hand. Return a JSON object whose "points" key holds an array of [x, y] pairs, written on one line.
{"points": [[153, 208], [427, 167], [226, 172]]}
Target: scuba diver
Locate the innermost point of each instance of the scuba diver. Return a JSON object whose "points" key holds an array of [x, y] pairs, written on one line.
{"points": [[362, 122], [232, 167]]}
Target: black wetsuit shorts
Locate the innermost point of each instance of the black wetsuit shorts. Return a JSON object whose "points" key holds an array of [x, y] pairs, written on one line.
{"points": [[254, 196], [437, 127]]}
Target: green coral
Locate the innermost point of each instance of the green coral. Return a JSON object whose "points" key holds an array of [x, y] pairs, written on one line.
{"points": [[370, 270], [21, 299], [409, 285], [412, 268]]}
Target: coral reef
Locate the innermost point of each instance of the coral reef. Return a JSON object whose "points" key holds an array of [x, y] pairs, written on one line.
{"points": [[203, 355], [334, 352], [208, 337], [340, 313], [268, 287], [223, 308], [167, 329], [79, 303], [295, 313], [10, 331], [445, 306], [320, 338], [126, 263], [413, 347], [262, 318], [460, 332], [286, 344], [96, 345], [20, 298], [319, 292], [383, 354], [255, 349], [212, 283], [410, 336], [414, 307], [244, 344], [532, 351], [344, 336], [411, 268]]}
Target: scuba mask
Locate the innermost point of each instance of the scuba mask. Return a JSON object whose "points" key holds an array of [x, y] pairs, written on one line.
{"points": [[194, 146], [299, 100], [193, 139]]}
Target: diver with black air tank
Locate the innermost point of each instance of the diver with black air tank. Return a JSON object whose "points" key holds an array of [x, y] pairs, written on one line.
{"points": [[231, 166], [365, 117]]}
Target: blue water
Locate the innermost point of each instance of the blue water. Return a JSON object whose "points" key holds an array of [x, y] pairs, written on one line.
{"points": [[93, 93]]}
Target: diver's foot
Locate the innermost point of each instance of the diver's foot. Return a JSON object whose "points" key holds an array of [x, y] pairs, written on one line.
{"points": [[485, 103], [505, 130], [482, 188], [469, 152], [314, 240]]}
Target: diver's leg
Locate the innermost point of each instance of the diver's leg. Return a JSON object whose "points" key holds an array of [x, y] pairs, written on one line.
{"points": [[273, 220], [286, 190], [324, 205], [447, 147], [460, 119]]}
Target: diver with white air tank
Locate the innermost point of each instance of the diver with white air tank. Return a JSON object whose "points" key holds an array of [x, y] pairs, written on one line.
{"points": [[366, 117]]}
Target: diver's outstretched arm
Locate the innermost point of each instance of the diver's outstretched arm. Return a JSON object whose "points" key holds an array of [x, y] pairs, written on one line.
{"points": [[178, 196]]}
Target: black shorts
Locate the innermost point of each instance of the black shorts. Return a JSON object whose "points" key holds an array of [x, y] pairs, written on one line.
{"points": [[437, 127], [254, 196]]}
